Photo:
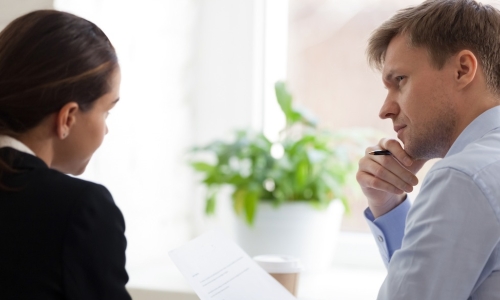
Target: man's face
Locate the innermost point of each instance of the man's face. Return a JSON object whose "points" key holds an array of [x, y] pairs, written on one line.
{"points": [[419, 100]]}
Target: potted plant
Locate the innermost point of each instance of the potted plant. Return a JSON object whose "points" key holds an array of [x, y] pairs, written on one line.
{"points": [[290, 193]]}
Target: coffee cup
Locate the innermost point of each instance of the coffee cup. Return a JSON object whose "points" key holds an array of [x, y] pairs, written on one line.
{"points": [[284, 268]]}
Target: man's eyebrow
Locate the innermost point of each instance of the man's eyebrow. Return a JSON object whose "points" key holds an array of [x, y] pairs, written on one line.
{"points": [[388, 77], [114, 102]]}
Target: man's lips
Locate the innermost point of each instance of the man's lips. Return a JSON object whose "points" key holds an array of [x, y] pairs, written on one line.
{"points": [[398, 128]]}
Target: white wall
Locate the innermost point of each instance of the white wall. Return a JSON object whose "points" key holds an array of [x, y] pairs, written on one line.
{"points": [[225, 93]]}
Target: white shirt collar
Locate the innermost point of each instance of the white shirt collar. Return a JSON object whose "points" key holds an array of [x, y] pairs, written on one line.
{"points": [[7, 141]]}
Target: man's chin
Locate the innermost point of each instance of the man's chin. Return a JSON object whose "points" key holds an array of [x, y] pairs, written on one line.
{"points": [[422, 153], [410, 150]]}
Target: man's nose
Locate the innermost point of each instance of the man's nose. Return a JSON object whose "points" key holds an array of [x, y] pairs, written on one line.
{"points": [[390, 108]]}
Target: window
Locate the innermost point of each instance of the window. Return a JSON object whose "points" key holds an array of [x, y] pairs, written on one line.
{"points": [[328, 73]]}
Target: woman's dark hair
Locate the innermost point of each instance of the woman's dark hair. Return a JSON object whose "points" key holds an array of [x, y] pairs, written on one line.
{"points": [[49, 58]]}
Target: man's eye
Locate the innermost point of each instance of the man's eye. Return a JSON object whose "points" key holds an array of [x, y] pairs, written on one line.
{"points": [[399, 78]]}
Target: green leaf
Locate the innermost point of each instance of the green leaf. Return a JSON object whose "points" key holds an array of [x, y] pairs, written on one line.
{"points": [[251, 202], [306, 116], [236, 180], [211, 180], [284, 99], [294, 117], [301, 175], [210, 205], [299, 146], [239, 200], [202, 167], [286, 186]]}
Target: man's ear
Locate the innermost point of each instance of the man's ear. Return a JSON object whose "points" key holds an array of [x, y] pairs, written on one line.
{"points": [[466, 68], [65, 119]]}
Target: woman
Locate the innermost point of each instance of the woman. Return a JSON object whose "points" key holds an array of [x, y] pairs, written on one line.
{"points": [[60, 237]]}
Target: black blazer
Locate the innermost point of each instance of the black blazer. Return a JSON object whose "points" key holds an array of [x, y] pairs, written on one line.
{"points": [[60, 237]]}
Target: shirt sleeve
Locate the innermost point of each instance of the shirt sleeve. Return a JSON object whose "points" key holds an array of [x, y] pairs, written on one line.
{"points": [[94, 249], [388, 230], [450, 234]]}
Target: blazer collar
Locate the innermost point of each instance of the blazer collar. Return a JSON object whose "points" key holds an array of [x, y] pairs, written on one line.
{"points": [[8, 141], [21, 160]]}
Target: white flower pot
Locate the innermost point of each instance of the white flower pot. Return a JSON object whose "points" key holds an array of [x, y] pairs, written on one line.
{"points": [[294, 228]]}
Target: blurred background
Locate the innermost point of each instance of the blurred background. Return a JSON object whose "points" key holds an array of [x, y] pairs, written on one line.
{"points": [[196, 70]]}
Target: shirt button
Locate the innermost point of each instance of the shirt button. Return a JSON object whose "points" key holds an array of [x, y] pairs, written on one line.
{"points": [[380, 238]]}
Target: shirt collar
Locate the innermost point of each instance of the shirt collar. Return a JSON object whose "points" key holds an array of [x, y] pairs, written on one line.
{"points": [[484, 123], [7, 141]]}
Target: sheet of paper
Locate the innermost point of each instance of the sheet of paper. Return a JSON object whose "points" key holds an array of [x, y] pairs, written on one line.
{"points": [[218, 269]]}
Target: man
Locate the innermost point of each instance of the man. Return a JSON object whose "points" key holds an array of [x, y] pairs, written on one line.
{"points": [[440, 62]]}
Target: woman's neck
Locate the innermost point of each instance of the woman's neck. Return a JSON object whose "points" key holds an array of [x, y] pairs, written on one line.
{"points": [[40, 140]]}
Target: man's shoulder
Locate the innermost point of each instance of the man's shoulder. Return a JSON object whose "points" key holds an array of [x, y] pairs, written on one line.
{"points": [[476, 158]]}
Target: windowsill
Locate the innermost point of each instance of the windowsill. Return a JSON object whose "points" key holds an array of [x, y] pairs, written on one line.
{"points": [[357, 273]]}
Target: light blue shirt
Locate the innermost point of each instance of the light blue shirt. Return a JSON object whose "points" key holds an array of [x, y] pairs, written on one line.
{"points": [[449, 248]]}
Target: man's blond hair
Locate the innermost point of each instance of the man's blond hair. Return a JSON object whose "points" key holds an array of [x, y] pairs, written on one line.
{"points": [[445, 27]]}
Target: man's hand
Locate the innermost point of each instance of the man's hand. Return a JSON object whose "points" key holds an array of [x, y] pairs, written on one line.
{"points": [[385, 179]]}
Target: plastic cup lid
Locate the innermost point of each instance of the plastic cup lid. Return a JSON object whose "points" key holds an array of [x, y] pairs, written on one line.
{"points": [[280, 264]]}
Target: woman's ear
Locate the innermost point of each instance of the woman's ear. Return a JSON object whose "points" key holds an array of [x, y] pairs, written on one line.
{"points": [[466, 68], [65, 119]]}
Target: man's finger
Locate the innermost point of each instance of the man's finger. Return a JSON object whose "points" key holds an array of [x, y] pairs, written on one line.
{"points": [[396, 150], [389, 171], [367, 180]]}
